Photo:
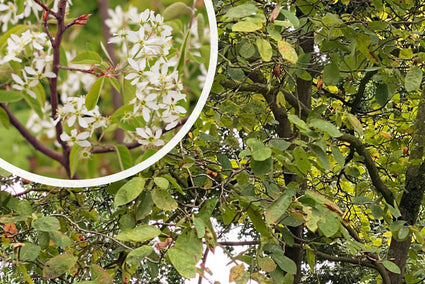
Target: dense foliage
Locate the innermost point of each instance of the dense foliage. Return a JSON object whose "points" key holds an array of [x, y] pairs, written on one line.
{"points": [[312, 141]]}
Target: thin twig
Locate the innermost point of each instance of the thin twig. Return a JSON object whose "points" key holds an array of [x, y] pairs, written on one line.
{"points": [[46, 8], [91, 232], [31, 138]]}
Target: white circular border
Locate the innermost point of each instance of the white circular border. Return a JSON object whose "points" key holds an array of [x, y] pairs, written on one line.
{"points": [[158, 155]]}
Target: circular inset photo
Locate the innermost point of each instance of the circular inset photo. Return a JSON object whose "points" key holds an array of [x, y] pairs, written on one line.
{"points": [[92, 92]]}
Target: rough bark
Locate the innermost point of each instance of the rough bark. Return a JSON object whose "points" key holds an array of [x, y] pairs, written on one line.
{"points": [[414, 191]]}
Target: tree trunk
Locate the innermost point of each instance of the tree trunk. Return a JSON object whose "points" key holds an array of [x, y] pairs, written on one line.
{"points": [[414, 191]]}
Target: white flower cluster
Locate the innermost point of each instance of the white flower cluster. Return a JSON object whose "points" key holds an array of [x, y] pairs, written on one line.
{"points": [[146, 41], [9, 12], [36, 48], [81, 121]]}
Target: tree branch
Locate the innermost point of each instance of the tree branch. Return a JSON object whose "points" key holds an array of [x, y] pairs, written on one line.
{"points": [[264, 90], [361, 149], [46, 8], [31, 138], [362, 87], [375, 265]]}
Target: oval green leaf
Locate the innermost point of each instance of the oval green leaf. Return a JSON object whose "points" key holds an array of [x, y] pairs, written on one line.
{"points": [[10, 96], [129, 191], [46, 224], [94, 93], [58, 265], [88, 57]]}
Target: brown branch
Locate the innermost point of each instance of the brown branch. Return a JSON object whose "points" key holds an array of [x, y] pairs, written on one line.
{"points": [[241, 243], [361, 149], [31, 138], [264, 90], [88, 71], [46, 8], [362, 87], [375, 265], [53, 82]]}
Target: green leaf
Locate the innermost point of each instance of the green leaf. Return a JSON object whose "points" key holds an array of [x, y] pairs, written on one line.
{"points": [[291, 17], [87, 57], [279, 144], [329, 224], [124, 157], [301, 160], [287, 51], [382, 94], [278, 207], [413, 79], [4, 118], [94, 93], [163, 199], [325, 126], [247, 50], [259, 151], [224, 161], [321, 155], [246, 26], [58, 265], [284, 262], [60, 239], [241, 11], [391, 266], [182, 56], [29, 252], [176, 10], [135, 257], [236, 74], [161, 182], [34, 104], [264, 48], [403, 233], [331, 74], [114, 83], [100, 276], [182, 262], [201, 26], [10, 96], [267, 264], [139, 234], [298, 122], [339, 158], [355, 123], [189, 242], [261, 167], [129, 191], [46, 224], [74, 158], [199, 226], [207, 209]]}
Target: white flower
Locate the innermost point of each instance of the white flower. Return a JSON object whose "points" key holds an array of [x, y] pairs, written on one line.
{"points": [[139, 67], [79, 138], [146, 104], [24, 84], [148, 138], [39, 74], [8, 13]]}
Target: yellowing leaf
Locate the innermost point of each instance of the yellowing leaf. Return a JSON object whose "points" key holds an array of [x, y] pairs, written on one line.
{"points": [[355, 123], [287, 51], [264, 48], [246, 26]]}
